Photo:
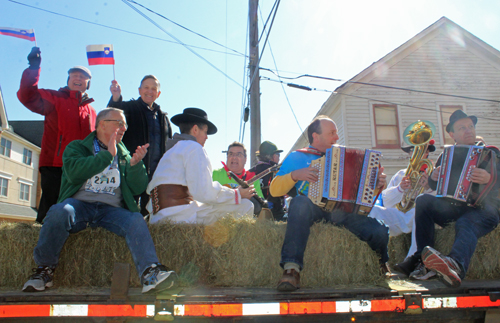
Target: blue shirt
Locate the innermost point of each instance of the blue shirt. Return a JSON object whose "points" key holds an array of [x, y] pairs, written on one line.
{"points": [[297, 160]]}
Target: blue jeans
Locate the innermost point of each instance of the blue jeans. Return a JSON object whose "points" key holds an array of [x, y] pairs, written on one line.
{"points": [[471, 224], [303, 214], [72, 216]]}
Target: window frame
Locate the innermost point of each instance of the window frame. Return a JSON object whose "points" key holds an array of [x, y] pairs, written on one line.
{"points": [[22, 193], [375, 125], [27, 152], [6, 187], [4, 149]]}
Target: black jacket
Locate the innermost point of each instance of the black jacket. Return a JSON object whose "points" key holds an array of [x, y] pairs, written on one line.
{"points": [[137, 133]]}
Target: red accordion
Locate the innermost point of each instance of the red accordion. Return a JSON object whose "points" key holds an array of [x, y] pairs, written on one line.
{"points": [[347, 180], [457, 163]]}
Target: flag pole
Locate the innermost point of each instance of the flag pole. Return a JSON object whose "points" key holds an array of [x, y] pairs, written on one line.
{"points": [[114, 77], [35, 37]]}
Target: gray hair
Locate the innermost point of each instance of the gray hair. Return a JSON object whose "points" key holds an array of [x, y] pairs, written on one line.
{"points": [[103, 114]]}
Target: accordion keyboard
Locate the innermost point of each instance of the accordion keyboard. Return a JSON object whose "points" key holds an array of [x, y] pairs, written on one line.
{"points": [[315, 191]]}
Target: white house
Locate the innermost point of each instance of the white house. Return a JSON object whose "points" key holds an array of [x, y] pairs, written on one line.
{"points": [[442, 59], [19, 179]]}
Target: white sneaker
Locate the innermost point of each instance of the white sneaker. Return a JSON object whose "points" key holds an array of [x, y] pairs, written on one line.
{"points": [[157, 277]]}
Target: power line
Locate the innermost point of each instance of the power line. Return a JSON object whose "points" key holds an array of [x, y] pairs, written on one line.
{"points": [[122, 30], [267, 20], [180, 42], [380, 85], [366, 98], [284, 91], [277, 2], [185, 28]]}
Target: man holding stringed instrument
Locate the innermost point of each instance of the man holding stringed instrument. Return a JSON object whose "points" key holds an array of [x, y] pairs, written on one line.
{"points": [[235, 163], [297, 171], [467, 193]]}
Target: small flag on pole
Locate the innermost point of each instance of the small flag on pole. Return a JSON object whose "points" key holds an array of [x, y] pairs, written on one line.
{"points": [[28, 34], [100, 55]]}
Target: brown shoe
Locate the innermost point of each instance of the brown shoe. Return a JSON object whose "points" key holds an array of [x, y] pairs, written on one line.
{"points": [[385, 270], [290, 281]]}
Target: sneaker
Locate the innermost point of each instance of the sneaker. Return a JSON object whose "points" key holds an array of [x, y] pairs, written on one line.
{"points": [[447, 268], [421, 272], [290, 281], [158, 277], [407, 266], [43, 277]]}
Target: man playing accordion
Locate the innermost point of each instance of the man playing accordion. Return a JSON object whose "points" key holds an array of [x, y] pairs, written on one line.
{"points": [[472, 222], [303, 213]]}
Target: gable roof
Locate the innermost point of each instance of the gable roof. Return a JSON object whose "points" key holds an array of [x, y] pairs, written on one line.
{"points": [[442, 26], [30, 130]]}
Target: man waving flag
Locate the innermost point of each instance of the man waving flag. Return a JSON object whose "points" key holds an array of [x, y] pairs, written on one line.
{"points": [[28, 34]]}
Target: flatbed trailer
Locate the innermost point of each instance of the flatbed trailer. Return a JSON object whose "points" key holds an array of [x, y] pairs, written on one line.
{"points": [[396, 301]]}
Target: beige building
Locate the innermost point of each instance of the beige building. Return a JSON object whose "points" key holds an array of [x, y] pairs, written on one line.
{"points": [[19, 177], [373, 109]]}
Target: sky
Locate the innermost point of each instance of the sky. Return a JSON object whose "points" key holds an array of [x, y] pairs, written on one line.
{"points": [[329, 38]]}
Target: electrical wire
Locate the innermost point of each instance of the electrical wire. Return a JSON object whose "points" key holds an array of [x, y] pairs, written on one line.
{"points": [[284, 91], [185, 28], [380, 85], [267, 20], [366, 98], [180, 42], [267, 37], [121, 30]]}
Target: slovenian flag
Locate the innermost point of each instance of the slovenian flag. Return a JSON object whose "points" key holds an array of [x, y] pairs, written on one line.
{"points": [[27, 34], [100, 55]]}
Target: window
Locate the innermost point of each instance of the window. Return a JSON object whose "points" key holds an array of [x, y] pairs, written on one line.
{"points": [[27, 156], [386, 126], [24, 192], [446, 111], [4, 186], [5, 147]]}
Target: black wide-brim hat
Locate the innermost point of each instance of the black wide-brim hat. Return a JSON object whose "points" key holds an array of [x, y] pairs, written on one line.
{"points": [[430, 148], [190, 115], [457, 115]]}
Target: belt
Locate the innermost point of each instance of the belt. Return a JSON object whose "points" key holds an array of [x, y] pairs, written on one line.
{"points": [[168, 195]]}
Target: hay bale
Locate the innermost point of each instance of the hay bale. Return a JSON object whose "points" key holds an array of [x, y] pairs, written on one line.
{"points": [[232, 252]]}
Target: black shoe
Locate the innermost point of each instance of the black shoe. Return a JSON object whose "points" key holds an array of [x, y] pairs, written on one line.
{"points": [[407, 266]]}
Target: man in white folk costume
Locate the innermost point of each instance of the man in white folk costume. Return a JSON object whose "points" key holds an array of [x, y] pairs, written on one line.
{"points": [[182, 189]]}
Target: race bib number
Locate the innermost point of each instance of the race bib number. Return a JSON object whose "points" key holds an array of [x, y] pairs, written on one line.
{"points": [[105, 182]]}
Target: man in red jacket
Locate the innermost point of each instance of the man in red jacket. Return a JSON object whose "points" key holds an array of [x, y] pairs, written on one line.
{"points": [[68, 116]]}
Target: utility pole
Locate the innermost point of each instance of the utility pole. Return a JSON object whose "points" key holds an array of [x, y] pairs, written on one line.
{"points": [[255, 136]]}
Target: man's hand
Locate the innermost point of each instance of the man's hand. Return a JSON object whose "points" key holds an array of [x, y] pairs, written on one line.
{"points": [[435, 173], [139, 154], [246, 193], [112, 144], [116, 90], [479, 176], [309, 174], [405, 183], [424, 181], [35, 58], [382, 178]]}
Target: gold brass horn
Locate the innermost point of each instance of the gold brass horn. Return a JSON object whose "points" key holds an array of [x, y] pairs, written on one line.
{"points": [[418, 134]]}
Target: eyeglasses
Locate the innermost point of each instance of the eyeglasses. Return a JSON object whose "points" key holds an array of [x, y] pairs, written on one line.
{"points": [[121, 123], [239, 155]]}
